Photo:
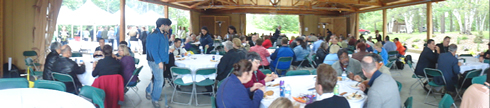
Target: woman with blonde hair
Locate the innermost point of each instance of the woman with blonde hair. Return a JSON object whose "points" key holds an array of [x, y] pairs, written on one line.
{"points": [[128, 64], [281, 102], [237, 44]]}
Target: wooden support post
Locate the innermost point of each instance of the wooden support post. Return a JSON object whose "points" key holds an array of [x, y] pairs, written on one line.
{"points": [[429, 20], [2, 50], [356, 31], [122, 25], [165, 11], [385, 30]]}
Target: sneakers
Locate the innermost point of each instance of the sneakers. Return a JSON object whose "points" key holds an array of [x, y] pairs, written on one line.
{"points": [[156, 104], [148, 95]]}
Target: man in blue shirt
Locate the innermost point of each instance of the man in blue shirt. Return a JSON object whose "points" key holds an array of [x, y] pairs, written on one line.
{"points": [[317, 44], [389, 46], [283, 51], [450, 68], [157, 56]]}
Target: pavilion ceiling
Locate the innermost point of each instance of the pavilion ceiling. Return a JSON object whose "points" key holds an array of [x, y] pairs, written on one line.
{"points": [[317, 7]]}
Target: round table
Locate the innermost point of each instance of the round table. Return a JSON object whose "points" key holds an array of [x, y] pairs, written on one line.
{"points": [[41, 98], [472, 63], [86, 78], [300, 85], [201, 61]]}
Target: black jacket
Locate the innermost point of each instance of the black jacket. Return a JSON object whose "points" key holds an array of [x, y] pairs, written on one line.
{"points": [[52, 57], [251, 43], [332, 102], [67, 66], [276, 35], [442, 49], [107, 66], [320, 55], [427, 59], [143, 36], [227, 61]]}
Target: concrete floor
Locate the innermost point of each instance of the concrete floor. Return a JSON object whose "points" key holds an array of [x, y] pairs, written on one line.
{"points": [[405, 78]]}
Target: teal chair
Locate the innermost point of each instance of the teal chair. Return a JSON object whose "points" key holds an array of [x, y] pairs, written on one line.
{"points": [[272, 48], [434, 73], [76, 54], [470, 74], [133, 87], [213, 102], [313, 72], [466, 55], [298, 72], [46, 84], [420, 79], [179, 82], [309, 59], [7, 83], [35, 74], [288, 60], [205, 82], [486, 61], [399, 86], [136, 61], [64, 78], [479, 80], [266, 71], [29, 61], [408, 102], [446, 102], [95, 94]]}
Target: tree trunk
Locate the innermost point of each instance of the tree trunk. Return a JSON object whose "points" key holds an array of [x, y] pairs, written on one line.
{"points": [[451, 27], [482, 21], [390, 25], [408, 21], [442, 26], [458, 17], [469, 17]]}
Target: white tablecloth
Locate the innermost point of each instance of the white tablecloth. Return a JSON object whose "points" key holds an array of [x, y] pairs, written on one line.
{"points": [[86, 78], [472, 63], [201, 61], [41, 98], [301, 84]]}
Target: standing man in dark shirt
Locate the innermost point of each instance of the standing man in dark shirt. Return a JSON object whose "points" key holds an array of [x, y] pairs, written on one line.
{"points": [[276, 34], [143, 36], [443, 47]]}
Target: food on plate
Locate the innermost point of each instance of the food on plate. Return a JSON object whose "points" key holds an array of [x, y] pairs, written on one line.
{"points": [[354, 96], [181, 59], [269, 93], [213, 60], [273, 85], [178, 56], [339, 78], [268, 75], [305, 98], [343, 93]]}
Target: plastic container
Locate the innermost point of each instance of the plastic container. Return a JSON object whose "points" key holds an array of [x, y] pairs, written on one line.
{"points": [[281, 88], [336, 90], [287, 91], [344, 76]]}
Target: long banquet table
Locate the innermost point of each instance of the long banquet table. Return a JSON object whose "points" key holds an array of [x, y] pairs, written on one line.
{"points": [[200, 61], [472, 63]]}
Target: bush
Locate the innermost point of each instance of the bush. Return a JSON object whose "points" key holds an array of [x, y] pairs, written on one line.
{"points": [[433, 36], [464, 38], [416, 40], [478, 39], [413, 45], [478, 47], [458, 39], [425, 40]]}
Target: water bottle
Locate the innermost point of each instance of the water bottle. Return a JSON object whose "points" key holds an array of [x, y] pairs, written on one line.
{"points": [[213, 58], [344, 76], [336, 90], [200, 48], [287, 91], [281, 88], [217, 52]]}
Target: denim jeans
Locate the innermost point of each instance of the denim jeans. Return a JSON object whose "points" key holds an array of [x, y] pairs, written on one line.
{"points": [[155, 88]]}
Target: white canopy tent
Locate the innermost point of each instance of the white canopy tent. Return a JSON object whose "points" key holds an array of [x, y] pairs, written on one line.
{"points": [[65, 16], [90, 14], [132, 17], [150, 17]]}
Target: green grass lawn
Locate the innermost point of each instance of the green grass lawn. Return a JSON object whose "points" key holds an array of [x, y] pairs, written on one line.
{"points": [[405, 36]]}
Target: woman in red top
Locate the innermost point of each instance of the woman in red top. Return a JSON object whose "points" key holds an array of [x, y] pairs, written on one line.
{"points": [[262, 51], [258, 78], [267, 42]]}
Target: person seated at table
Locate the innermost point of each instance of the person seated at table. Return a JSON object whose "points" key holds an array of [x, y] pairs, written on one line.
{"points": [[206, 40], [108, 65], [65, 65], [321, 53], [485, 55], [332, 57], [262, 51], [233, 94], [325, 83], [128, 64], [361, 51], [383, 91], [378, 49], [449, 66], [245, 44], [267, 42], [428, 58], [98, 50], [389, 46], [283, 51], [232, 56], [399, 47], [476, 96], [52, 57], [177, 48], [351, 66], [444, 46], [258, 76], [379, 66], [282, 102], [301, 51]]}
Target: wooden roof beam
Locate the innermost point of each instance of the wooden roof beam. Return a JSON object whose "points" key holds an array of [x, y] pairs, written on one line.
{"points": [[181, 0], [169, 4], [274, 11], [199, 3], [358, 2], [272, 7], [226, 2]]}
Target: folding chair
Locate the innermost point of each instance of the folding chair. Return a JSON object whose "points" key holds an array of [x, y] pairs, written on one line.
{"points": [[479, 80], [390, 65], [434, 73], [447, 101], [46, 84], [205, 82], [179, 82], [64, 78], [266, 71], [470, 74], [399, 86], [76, 54], [313, 72], [408, 102], [420, 79], [283, 60], [134, 87], [298, 72], [8, 83], [392, 56], [29, 61], [95, 94], [309, 59]]}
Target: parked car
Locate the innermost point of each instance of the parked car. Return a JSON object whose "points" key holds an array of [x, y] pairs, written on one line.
{"points": [[364, 31]]}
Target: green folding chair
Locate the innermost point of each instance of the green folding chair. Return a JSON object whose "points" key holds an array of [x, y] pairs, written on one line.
{"points": [[470, 74], [76, 54], [283, 60], [298, 72], [213, 102], [392, 64], [7, 83], [272, 48], [30, 61], [133, 87], [179, 82], [479, 80], [399, 86], [434, 73], [446, 102], [136, 61], [266, 71], [46, 84], [36, 74], [95, 94], [64, 78], [205, 82], [313, 72], [420, 79], [408, 102], [466, 55]]}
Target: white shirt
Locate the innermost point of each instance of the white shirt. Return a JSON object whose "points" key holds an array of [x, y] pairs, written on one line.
{"points": [[324, 96], [176, 51]]}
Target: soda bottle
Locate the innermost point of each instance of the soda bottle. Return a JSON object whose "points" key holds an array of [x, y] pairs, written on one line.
{"points": [[281, 88]]}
